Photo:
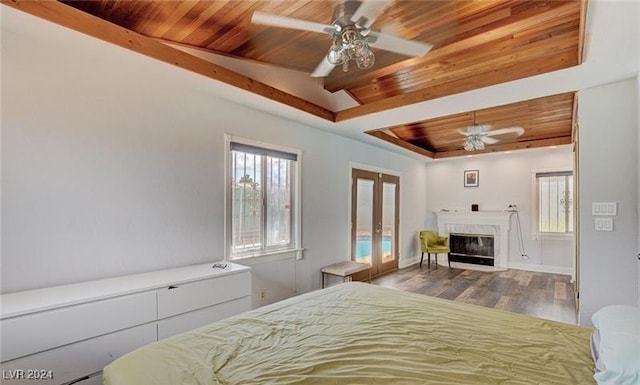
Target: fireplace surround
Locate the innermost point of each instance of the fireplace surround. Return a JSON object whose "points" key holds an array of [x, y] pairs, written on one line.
{"points": [[495, 223]]}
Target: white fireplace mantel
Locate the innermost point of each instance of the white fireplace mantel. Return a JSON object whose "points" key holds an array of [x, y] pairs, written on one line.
{"points": [[500, 220]]}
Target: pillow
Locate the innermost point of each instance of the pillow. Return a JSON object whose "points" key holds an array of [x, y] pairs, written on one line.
{"points": [[616, 345]]}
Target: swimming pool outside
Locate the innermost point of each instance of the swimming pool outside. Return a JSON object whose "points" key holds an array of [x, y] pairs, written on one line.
{"points": [[363, 247]]}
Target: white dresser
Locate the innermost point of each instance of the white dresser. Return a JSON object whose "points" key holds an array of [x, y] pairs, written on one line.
{"points": [[67, 334]]}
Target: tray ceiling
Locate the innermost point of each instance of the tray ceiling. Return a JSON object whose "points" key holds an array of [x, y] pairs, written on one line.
{"points": [[546, 122], [476, 44]]}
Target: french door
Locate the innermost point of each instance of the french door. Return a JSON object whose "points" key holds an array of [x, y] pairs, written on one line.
{"points": [[375, 220]]}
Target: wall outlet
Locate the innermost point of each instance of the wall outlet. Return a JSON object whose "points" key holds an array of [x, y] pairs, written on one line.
{"points": [[263, 293]]}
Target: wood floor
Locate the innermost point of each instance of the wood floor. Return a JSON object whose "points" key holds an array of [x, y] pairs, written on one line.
{"points": [[543, 295]]}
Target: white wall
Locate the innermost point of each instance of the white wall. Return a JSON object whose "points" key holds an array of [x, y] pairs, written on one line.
{"points": [[504, 179], [608, 173], [112, 163]]}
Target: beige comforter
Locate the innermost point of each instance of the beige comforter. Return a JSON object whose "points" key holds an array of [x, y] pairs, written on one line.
{"points": [[358, 333]]}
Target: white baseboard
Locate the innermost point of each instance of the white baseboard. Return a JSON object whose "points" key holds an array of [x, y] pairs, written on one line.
{"points": [[541, 268], [512, 265], [402, 263]]}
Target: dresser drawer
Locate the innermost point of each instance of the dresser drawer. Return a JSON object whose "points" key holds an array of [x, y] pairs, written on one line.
{"points": [[200, 294], [36, 332], [184, 322], [71, 362]]}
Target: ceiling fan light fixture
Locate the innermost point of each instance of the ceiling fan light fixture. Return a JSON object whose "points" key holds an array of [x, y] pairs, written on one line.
{"points": [[366, 60], [474, 143], [468, 146], [356, 48], [337, 54], [349, 44]]}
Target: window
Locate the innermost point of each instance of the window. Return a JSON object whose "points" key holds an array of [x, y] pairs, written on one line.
{"points": [[263, 200], [555, 202]]}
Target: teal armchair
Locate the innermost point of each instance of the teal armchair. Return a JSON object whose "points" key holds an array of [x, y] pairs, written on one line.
{"points": [[431, 242]]}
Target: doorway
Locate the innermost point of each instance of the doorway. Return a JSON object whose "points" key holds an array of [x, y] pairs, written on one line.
{"points": [[375, 220]]}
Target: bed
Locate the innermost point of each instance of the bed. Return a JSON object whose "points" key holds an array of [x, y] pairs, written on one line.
{"points": [[357, 333]]}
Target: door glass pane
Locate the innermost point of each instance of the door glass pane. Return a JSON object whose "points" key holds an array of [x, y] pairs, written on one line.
{"points": [[364, 221], [388, 222]]}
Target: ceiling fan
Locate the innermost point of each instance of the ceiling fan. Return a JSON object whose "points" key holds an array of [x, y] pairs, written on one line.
{"points": [[352, 37], [478, 135]]}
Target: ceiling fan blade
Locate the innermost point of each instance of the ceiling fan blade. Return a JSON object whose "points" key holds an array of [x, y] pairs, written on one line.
{"points": [[290, 22], [398, 45], [475, 130], [368, 11], [489, 140], [511, 130], [323, 69]]}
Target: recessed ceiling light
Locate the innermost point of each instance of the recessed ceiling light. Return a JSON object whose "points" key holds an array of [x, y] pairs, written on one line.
{"points": [[508, 152], [469, 156], [552, 147]]}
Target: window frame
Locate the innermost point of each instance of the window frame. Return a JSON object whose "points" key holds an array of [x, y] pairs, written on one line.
{"points": [[296, 234], [535, 209]]}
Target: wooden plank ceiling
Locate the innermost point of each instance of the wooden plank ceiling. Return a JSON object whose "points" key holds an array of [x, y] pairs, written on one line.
{"points": [[476, 44], [546, 122]]}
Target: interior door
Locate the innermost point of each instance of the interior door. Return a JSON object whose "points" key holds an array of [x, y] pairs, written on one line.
{"points": [[375, 220]]}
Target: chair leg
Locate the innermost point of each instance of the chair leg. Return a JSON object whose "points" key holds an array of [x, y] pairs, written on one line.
{"points": [[429, 261], [421, 257], [436, 260], [449, 259]]}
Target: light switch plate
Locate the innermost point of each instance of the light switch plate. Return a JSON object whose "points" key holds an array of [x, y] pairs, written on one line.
{"points": [[604, 224], [604, 208]]}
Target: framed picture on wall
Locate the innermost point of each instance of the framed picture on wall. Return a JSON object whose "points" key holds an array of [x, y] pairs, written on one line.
{"points": [[471, 178]]}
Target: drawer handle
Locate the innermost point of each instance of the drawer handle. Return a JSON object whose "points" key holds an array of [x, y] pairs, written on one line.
{"points": [[79, 380], [172, 287]]}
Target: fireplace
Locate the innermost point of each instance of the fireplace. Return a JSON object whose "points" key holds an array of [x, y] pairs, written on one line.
{"points": [[495, 223], [472, 248]]}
